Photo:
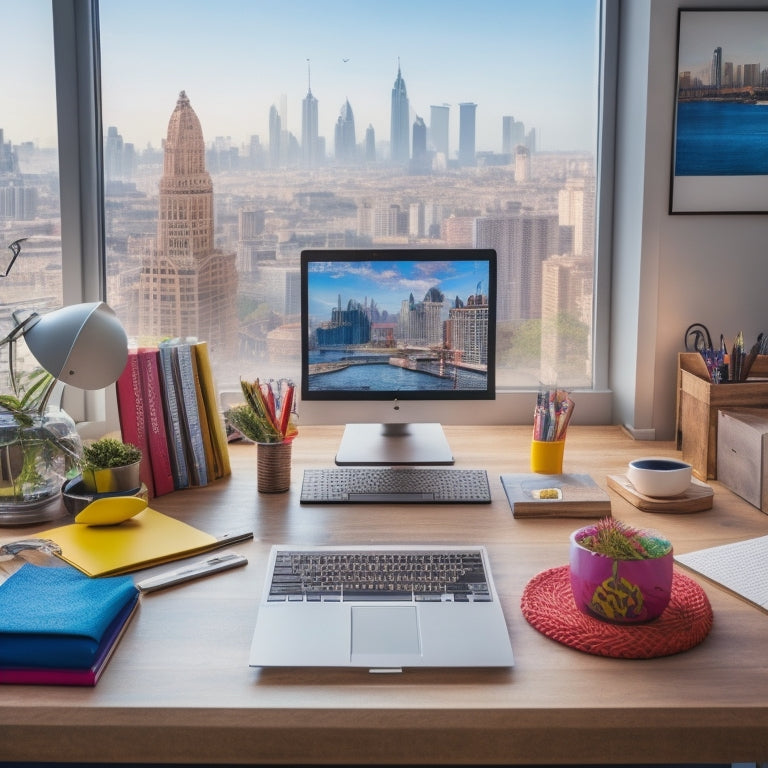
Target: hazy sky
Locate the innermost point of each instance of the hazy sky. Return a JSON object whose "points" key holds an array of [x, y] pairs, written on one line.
{"points": [[532, 59]]}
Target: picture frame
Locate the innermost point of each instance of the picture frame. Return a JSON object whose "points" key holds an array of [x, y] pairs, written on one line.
{"points": [[720, 137]]}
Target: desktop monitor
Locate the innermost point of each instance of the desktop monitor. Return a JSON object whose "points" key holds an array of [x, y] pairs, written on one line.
{"points": [[403, 330]]}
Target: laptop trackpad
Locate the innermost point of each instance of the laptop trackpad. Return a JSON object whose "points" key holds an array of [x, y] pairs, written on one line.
{"points": [[383, 629]]}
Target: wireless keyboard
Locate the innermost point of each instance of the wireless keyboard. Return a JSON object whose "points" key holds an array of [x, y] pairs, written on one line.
{"points": [[389, 485]]}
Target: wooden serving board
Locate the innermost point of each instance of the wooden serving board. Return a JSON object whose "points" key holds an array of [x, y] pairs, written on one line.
{"points": [[697, 498]]}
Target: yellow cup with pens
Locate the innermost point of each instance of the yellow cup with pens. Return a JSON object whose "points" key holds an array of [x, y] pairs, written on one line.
{"points": [[547, 456], [550, 422]]}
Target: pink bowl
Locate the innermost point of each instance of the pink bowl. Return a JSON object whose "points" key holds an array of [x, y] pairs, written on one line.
{"points": [[619, 591]]}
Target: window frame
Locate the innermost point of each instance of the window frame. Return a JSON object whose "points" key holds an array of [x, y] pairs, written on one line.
{"points": [[76, 43]]}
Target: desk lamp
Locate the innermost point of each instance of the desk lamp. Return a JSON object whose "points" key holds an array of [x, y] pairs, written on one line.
{"points": [[83, 345]]}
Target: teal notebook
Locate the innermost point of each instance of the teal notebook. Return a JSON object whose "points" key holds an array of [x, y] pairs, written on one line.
{"points": [[57, 617]]}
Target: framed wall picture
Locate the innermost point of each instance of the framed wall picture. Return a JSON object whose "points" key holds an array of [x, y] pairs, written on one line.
{"points": [[720, 140]]}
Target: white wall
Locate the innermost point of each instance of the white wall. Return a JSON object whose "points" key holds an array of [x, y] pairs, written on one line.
{"points": [[669, 271]]}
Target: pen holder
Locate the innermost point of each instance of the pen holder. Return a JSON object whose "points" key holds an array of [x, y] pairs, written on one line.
{"points": [[273, 467], [547, 456]]}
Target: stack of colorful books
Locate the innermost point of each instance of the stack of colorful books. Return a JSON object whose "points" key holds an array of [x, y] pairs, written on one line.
{"points": [[168, 408], [60, 627]]}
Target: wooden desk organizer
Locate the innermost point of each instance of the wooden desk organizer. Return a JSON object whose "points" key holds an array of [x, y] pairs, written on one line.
{"points": [[698, 402]]}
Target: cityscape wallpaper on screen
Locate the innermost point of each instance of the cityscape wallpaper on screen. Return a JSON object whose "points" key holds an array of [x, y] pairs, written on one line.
{"points": [[203, 238], [396, 325]]}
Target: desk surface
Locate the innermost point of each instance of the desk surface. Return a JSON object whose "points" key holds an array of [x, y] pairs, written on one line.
{"points": [[179, 688]]}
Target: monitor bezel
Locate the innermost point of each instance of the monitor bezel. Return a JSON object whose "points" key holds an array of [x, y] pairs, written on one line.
{"points": [[399, 254]]}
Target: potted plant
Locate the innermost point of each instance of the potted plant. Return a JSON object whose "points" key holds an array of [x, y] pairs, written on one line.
{"points": [[619, 573], [109, 465]]}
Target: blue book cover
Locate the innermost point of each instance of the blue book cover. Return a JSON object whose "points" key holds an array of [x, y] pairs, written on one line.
{"points": [[58, 616]]}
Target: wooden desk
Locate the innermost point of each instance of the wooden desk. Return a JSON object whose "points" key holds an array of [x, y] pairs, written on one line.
{"points": [[179, 688]]}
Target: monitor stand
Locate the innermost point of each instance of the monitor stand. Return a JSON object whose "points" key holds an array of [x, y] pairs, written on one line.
{"points": [[393, 444]]}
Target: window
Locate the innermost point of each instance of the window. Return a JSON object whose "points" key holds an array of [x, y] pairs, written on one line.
{"points": [[236, 134], [29, 169]]}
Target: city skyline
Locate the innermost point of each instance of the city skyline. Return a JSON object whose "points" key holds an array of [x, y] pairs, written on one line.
{"points": [[264, 62], [389, 283], [740, 34]]}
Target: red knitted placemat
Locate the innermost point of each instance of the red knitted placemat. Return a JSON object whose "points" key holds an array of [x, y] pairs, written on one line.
{"points": [[548, 605]]}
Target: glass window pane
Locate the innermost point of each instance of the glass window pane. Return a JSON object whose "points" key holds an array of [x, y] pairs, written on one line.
{"points": [[29, 175], [239, 133]]}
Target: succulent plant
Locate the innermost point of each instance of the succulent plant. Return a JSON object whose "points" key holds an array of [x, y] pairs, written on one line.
{"points": [[618, 540], [109, 452]]}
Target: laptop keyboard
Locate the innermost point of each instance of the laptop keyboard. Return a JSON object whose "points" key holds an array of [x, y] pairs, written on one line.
{"points": [[351, 485], [333, 575]]}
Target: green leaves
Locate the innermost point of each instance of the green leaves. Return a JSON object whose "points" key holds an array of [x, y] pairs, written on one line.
{"points": [[261, 418]]}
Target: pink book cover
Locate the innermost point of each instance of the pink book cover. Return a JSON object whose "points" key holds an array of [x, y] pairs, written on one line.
{"points": [[157, 437]]}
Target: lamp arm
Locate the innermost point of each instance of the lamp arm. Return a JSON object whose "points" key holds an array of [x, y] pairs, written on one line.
{"points": [[10, 340]]}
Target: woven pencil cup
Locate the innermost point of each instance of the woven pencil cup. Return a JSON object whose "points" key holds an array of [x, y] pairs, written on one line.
{"points": [[273, 467]]}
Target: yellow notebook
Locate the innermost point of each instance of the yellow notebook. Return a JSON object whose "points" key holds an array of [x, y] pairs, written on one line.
{"points": [[148, 539]]}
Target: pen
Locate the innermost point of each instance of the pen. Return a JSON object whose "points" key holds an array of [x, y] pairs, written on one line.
{"points": [[192, 571]]}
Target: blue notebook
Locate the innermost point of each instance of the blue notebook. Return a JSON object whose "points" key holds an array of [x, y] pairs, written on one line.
{"points": [[57, 617]]}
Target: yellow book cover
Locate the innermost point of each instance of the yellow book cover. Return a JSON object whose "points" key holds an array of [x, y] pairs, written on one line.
{"points": [[215, 419], [148, 539]]}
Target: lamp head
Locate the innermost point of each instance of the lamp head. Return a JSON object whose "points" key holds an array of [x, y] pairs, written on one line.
{"points": [[83, 345]]}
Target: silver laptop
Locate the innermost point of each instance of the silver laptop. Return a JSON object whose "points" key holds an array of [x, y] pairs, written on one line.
{"points": [[380, 607]]}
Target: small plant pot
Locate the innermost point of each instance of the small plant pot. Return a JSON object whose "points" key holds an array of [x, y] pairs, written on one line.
{"points": [[112, 479], [619, 591]]}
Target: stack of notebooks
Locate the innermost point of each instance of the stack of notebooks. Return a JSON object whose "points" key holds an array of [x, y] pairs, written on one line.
{"points": [[60, 627], [168, 408]]}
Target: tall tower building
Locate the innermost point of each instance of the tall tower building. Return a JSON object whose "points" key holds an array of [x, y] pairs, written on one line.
{"points": [[309, 137], [438, 128], [187, 286], [399, 146], [522, 241], [576, 211], [467, 133], [275, 129], [420, 157], [370, 144], [512, 134], [345, 144], [717, 67]]}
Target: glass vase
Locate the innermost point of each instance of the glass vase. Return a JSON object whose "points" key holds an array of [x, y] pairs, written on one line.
{"points": [[37, 454]]}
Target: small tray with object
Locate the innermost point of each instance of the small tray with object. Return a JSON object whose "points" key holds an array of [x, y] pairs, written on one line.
{"points": [[697, 498]]}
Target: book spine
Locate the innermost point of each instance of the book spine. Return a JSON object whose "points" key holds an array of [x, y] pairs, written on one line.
{"points": [[157, 434], [173, 419], [205, 431], [215, 417], [131, 413], [190, 414]]}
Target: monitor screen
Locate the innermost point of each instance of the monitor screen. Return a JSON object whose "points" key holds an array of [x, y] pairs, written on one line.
{"points": [[393, 326]]}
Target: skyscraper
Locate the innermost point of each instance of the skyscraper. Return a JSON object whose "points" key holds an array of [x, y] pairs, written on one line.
{"points": [[187, 286], [717, 67], [370, 144], [345, 144], [420, 160], [275, 130], [309, 140], [438, 128], [467, 133], [399, 146]]}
